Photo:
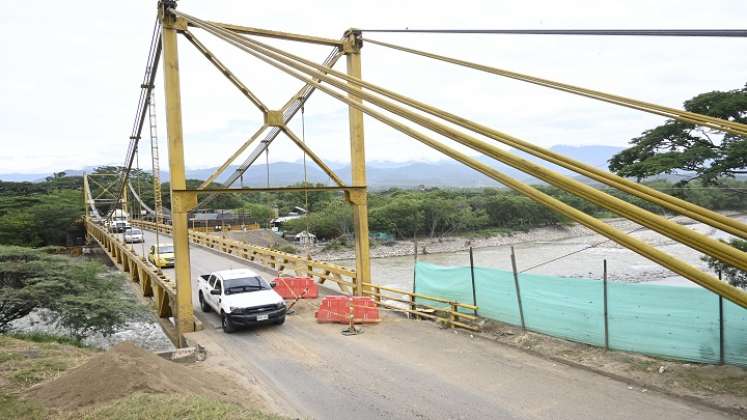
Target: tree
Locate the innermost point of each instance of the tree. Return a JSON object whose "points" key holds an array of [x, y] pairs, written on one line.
{"points": [[79, 296], [679, 146], [257, 213], [734, 276]]}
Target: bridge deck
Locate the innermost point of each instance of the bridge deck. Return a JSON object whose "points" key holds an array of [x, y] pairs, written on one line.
{"points": [[410, 369]]}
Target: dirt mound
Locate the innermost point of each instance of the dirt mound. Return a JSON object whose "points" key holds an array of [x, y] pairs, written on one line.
{"points": [[123, 370], [260, 237]]}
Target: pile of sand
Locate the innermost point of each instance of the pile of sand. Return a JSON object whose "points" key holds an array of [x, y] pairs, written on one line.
{"points": [[126, 369]]}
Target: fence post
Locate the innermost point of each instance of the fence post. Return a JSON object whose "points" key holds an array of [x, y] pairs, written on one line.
{"points": [[472, 273], [606, 324], [720, 325], [518, 290]]}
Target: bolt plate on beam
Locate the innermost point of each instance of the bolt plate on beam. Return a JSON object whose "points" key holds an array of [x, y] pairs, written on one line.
{"points": [[274, 118]]}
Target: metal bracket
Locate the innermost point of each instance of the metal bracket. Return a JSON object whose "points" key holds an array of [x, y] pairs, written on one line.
{"points": [[183, 201], [274, 119], [352, 42], [357, 197]]}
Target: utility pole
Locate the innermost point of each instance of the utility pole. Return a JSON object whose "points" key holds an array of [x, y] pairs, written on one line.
{"points": [[179, 205], [359, 199]]}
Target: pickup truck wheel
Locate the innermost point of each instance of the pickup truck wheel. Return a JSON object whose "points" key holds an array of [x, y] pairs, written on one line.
{"points": [[280, 321], [204, 305], [226, 323]]}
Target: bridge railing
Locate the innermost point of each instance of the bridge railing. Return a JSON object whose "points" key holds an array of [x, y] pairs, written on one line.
{"points": [[152, 282], [439, 309]]}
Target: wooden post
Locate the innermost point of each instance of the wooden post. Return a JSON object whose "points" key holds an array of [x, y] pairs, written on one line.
{"points": [[472, 273], [518, 290]]}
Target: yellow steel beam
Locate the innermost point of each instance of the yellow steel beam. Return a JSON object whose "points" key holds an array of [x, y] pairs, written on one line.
{"points": [[357, 167], [690, 117], [184, 315], [277, 34], [703, 243], [226, 72], [231, 158], [683, 207], [271, 189], [680, 267], [288, 132]]}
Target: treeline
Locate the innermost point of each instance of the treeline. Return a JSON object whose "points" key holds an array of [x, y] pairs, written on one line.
{"points": [[41, 213], [49, 212], [438, 212]]}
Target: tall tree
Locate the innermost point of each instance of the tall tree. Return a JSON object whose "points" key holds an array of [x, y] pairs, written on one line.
{"points": [[677, 146]]}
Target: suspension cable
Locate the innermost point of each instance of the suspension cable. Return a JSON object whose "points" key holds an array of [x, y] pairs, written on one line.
{"points": [[728, 33], [694, 240], [685, 116], [680, 206]]}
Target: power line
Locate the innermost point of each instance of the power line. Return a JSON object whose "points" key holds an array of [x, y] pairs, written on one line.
{"points": [[728, 33]]}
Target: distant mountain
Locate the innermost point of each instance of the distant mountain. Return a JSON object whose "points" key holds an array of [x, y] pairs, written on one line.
{"points": [[383, 174]]}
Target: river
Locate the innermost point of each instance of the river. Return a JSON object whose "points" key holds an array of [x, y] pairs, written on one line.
{"points": [[585, 259]]}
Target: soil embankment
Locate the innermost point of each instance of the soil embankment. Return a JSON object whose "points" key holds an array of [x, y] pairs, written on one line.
{"points": [[61, 381]]}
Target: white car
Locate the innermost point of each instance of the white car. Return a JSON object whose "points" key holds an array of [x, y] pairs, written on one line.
{"points": [[241, 297], [133, 235]]}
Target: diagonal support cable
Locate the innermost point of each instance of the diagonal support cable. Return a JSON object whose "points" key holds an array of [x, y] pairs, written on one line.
{"points": [[288, 132], [685, 116], [664, 259]]}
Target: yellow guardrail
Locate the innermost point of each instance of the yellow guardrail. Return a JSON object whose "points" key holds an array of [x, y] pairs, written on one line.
{"points": [[153, 283], [448, 312]]}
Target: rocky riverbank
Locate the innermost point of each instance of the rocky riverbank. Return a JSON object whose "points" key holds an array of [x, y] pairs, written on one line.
{"points": [[460, 243]]}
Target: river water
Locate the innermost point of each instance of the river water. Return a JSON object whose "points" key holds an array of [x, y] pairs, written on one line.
{"points": [[622, 264]]}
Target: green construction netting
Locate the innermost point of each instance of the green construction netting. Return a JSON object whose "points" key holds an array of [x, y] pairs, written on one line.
{"points": [[666, 321]]}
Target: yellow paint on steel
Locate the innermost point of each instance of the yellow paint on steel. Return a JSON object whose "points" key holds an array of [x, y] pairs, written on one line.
{"points": [[359, 200], [700, 242], [184, 312], [327, 170], [680, 267], [685, 116], [683, 207], [278, 34]]}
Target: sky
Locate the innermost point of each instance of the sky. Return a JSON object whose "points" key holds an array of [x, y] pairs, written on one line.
{"points": [[71, 72]]}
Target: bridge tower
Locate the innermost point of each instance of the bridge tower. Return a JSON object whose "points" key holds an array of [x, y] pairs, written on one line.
{"points": [[180, 204]]}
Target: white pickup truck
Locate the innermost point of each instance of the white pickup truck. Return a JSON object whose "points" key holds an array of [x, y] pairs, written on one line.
{"points": [[241, 297]]}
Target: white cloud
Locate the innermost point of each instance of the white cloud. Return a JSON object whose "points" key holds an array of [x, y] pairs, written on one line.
{"points": [[71, 71]]}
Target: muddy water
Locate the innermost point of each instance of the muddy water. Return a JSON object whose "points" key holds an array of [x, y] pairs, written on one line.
{"points": [[622, 264]]}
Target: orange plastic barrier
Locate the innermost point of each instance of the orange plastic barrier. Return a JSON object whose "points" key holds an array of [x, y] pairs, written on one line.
{"points": [[337, 309], [296, 287]]}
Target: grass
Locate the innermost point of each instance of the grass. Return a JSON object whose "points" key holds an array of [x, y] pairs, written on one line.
{"points": [[25, 362], [11, 407], [42, 337], [142, 406], [28, 359]]}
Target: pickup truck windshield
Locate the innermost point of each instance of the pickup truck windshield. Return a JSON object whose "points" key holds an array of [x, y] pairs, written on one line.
{"points": [[246, 284]]}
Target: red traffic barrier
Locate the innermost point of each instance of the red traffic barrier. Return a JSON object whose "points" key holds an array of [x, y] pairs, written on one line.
{"points": [[296, 287], [338, 309]]}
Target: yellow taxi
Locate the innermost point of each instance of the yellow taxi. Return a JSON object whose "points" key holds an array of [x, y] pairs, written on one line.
{"points": [[163, 256]]}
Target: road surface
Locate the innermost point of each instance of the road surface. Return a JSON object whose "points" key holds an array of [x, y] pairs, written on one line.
{"points": [[405, 369]]}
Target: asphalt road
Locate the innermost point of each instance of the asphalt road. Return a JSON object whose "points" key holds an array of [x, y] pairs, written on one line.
{"points": [[405, 369]]}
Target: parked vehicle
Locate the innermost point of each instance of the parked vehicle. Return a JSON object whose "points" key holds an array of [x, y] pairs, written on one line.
{"points": [[241, 297], [120, 226], [133, 236], [163, 256]]}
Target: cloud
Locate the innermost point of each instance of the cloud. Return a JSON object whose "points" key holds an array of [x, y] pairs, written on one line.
{"points": [[71, 74]]}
